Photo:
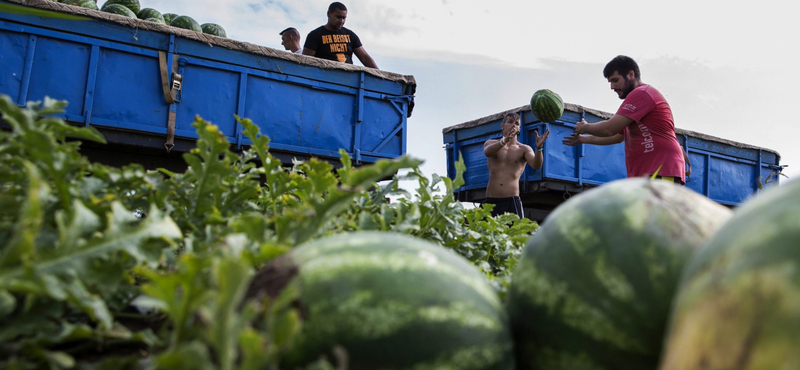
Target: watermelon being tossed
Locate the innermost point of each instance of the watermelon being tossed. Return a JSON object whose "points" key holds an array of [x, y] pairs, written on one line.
{"points": [[547, 106], [390, 301], [213, 29], [738, 306], [186, 22], [118, 9], [133, 5], [595, 284], [89, 4]]}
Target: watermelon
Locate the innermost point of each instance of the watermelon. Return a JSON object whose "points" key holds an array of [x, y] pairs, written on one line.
{"points": [[390, 301], [156, 20], [213, 29], [118, 9], [594, 285], [547, 106], [150, 13], [168, 17], [185, 21], [738, 306], [89, 4], [133, 5]]}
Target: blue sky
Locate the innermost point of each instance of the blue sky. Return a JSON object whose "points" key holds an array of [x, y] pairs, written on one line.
{"points": [[727, 68]]}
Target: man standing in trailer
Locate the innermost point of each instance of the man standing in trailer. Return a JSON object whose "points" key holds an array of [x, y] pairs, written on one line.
{"points": [[506, 159], [335, 42]]}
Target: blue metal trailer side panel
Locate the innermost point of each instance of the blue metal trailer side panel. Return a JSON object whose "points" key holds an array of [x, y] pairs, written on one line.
{"points": [[111, 75]]}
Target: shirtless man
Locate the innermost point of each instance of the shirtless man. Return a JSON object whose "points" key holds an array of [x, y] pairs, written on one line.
{"points": [[506, 161]]}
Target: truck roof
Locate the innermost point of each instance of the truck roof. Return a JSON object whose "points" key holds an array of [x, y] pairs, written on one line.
{"points": [[604, 115], [214, 40]]}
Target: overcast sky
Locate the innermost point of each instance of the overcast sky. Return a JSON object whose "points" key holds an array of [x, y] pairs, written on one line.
{"points": [[727, 68]]}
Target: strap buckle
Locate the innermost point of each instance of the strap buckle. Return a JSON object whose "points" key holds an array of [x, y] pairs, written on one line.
{"points": [[177, 83]]}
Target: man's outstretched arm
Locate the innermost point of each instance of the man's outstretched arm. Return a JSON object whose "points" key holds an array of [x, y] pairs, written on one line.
{"points": [[535, 158], [364, 57], [575, 139], [688, 162], [607, 128]]}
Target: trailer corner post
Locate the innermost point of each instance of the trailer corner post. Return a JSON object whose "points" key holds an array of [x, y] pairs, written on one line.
{"points": [[88, 101], [240, 107], [26, 72], [759, 179], [356, 148]]}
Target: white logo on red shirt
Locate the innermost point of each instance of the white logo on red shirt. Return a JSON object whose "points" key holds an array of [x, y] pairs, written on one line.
{"points": [[647, 138], [629, 107]]}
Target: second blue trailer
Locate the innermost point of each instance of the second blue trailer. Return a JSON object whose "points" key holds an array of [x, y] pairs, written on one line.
{"points": [[725, 171]]}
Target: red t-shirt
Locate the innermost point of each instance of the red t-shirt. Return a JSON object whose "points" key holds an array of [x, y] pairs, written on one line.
{"points": [[650, 141]]}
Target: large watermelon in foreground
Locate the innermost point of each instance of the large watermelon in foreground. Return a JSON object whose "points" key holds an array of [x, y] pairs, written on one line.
{"points": [[186, 22], [547, 106], [594, 285], [739, 302], [391, 302]]}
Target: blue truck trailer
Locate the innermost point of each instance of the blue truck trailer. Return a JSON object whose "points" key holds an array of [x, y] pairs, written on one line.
{"points": [[725, 171], [141, 84]]}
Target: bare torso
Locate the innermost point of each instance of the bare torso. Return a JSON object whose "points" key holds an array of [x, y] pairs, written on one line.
{"points": [[505, 169]]}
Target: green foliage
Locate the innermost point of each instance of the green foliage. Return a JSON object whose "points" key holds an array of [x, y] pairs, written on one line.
{"points": [[122, 268]]}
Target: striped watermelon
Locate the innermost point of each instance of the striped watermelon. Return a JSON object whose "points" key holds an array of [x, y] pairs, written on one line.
{"points": [[547, 106], [133, 5], [155, 20], [89, 4], [213, 29], [150, 13], [168, 17], [392, 302], [739, 302], [187, 22], [594, 285], [118, 9]]}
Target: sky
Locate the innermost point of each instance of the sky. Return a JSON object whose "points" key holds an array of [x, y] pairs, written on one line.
{"points": [[727, 68]]}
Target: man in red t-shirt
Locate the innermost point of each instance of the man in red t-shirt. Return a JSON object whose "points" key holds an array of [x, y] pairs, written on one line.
{"points": [[643, 121]]}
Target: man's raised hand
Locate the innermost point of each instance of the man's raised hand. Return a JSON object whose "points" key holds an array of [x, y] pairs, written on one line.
{"points": [[540, 139], [580, 126], [514, 132], [572, 140]]}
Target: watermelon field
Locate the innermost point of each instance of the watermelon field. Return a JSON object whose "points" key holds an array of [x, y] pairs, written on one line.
{"points": [[241, 263]]}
